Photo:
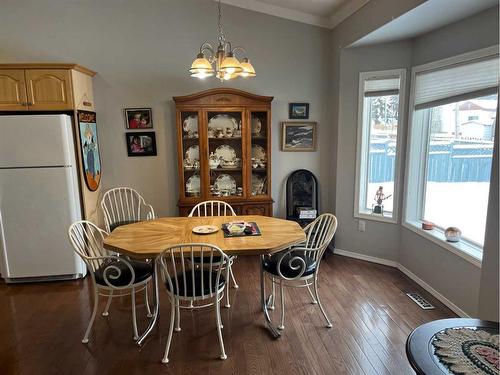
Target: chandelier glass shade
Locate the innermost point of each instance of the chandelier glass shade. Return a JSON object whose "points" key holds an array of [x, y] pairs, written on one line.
{"points": [[221, 62]]}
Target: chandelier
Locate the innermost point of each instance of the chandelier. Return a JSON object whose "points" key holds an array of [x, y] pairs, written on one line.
{"points": [[221, 62]]}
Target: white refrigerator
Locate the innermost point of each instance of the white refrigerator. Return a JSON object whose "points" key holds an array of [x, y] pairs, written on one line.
{"points": [[39, 198]]}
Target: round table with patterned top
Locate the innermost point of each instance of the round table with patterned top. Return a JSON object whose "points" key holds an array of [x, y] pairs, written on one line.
{"points": [[454, 346]]}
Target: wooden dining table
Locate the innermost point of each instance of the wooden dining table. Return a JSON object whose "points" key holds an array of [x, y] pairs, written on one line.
{"points": [[148, 239]]}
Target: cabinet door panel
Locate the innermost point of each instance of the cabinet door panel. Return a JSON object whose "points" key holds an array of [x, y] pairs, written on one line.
{"points": [[12, 90], [49, 89], [256, 209]]}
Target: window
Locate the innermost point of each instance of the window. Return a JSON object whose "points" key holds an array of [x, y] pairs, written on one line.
{"points": [[377, 162], [450, 149]]}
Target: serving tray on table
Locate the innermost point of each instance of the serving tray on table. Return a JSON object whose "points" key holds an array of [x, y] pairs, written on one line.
{"points": [[253, 225]]}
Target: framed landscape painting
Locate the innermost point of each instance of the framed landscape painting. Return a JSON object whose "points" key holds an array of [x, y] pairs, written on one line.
{"points": [[298, 136], [298, 111]]}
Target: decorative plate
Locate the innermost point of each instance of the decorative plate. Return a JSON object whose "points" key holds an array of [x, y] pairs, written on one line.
{"points": [[193, 153], [225, 182], [190, 124], [258, 152], [193, 185], [225, 152], [222, 122], [258, 184], [205, 229], [256, 125]]}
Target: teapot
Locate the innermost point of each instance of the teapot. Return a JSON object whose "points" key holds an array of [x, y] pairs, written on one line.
{"points": [[213, 161]]}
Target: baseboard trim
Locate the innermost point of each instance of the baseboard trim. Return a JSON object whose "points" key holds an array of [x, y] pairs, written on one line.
{"points": [[391, 263], [368, 258]]}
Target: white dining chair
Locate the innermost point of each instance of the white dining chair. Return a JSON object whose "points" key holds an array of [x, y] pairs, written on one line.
{"points": [[298, 266], [217, 208], [185, 282], [124, 205], [112, 276]]}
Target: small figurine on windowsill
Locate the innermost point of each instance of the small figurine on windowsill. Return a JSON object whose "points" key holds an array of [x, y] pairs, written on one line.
{"points": [[380, 197]]}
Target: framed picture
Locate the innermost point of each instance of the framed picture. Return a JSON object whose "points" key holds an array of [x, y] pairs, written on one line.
{"points": [[138, 118], [298, 111], [89, 145], [298, 136], [141, 143]]}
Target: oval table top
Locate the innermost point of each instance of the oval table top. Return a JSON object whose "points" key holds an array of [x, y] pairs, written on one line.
{"points": [[147, 239]]}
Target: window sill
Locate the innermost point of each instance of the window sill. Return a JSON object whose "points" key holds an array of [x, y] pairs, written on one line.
{"points": [[375, 217], [471, 253]]}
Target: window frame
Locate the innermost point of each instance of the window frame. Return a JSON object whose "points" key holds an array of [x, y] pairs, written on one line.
{"points": [[416, 167], [362, 143]]}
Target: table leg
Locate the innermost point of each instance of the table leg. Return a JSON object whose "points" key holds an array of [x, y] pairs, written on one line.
{"points": [[274, 332], [156, 303]]}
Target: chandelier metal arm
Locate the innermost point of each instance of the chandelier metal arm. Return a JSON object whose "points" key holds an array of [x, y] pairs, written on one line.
{"points": [[240, 49]]}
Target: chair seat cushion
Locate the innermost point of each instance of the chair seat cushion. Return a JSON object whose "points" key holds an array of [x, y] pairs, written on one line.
{"points": [[142, 271], [188, 291], [271, 264], [117, 224]]}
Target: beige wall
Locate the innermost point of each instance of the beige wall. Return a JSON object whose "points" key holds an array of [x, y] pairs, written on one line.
{"points": [[141, 51]]}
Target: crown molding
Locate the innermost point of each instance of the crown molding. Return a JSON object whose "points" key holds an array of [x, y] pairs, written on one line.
{"points": [[345, 11], [327, 22]]}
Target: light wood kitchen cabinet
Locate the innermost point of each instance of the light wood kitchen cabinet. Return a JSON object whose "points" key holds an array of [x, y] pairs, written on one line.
{"points": [[12, 90], [49, 89], [45, 87]]}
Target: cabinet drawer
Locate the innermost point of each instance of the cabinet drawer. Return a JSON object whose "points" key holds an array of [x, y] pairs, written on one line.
{"points": [[257, 209]]}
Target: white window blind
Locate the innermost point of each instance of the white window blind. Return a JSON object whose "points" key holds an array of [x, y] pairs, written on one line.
{"points": [[459, 82], [381, 86]]}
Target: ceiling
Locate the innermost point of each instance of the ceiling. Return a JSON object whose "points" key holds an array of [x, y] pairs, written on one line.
{"points": [[428, 16], [323, 13]]}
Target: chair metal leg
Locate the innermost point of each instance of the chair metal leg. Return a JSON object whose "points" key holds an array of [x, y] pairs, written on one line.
{"points": [[106, 308], [92, 317], [178, 316], [273, 295], [170, 329], [228, 271], [314, 302], [328, 323], [134, 315], [146, 302], [273, 331], [282, 296], [235, 284], [219, 327]]}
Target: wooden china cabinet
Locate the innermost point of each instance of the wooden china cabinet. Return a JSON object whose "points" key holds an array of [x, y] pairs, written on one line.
{"points": [[224, 150]]}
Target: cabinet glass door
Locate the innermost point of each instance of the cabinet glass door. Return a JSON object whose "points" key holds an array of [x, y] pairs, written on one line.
{"points": [[259, 161], [225, 150], [191, 153]]}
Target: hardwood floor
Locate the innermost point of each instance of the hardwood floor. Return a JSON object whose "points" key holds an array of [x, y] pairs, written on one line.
{"points": [[41, 327]]}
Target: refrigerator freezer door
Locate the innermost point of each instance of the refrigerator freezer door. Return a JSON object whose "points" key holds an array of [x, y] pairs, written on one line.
{"points": [[36, 141], [37, 206]]}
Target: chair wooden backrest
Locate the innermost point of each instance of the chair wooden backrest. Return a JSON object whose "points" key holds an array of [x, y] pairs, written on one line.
{"points": [[87, 240], [212, 208], [181, 275], [124, 204]]}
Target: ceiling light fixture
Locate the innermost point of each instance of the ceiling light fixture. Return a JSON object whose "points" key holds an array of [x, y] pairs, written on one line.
{"points": [[221, 62]]}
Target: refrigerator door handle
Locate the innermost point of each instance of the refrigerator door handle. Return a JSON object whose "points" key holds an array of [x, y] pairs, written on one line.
{"points": [[4, 264]]}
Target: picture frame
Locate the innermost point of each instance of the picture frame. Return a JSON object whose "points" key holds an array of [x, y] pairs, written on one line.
{"points": [[298, 111], [138, 118], [89, 147], [141, 143], [298, 136]]}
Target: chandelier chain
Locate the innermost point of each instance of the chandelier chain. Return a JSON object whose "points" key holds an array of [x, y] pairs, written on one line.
{"points": [[222, 37]]}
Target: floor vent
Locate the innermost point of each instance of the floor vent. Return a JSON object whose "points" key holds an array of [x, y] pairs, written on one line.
{"points": [[421, 301]]}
